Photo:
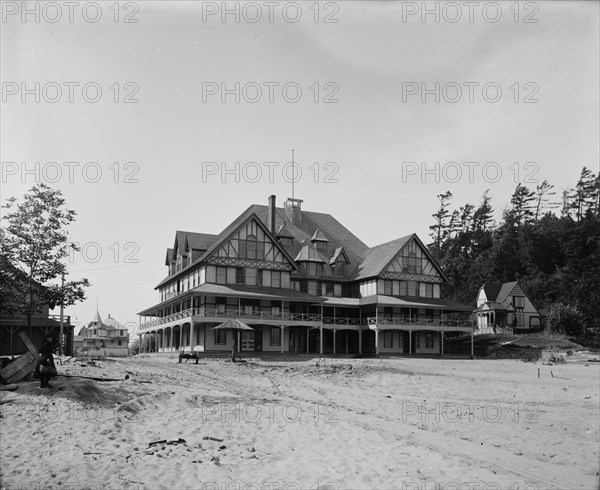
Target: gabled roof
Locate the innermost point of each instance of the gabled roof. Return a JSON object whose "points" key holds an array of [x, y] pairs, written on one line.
{"points": [[199, 241], [192, 240], [169, 256], [380, 256], [339, 254], [283, 232], [498, 292], [336, 234], [506, 289], [491, 290], [318, 236], [308, 253], [228, 232]]}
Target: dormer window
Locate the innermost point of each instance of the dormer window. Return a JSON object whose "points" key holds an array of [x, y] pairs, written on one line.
{"points": [[319, 241]]}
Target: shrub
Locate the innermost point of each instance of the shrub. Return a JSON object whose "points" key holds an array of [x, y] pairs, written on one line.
{"points": [[565, 319]]}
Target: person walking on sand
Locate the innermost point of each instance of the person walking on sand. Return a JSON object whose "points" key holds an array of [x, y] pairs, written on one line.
{"points": [[46, 362]]}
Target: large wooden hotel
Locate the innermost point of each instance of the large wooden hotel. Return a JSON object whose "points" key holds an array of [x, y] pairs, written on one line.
{"points": [[305, 284]]}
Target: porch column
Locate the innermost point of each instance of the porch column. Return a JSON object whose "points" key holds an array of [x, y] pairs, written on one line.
{"points": [[321, 337], [334, 342], [360, 341], [192, 336], [346, 341], [410, 341], [141, 345], [282, 330], [164, 337], [376, 342], [171, 340], [307, 340], [442, 341]]}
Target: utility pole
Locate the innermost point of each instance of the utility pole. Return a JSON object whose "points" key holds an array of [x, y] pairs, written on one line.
{"points": [[62, 308]]}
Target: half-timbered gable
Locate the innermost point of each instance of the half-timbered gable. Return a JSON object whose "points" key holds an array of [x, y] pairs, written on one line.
{"points": [[413, 263], [251, 245]]}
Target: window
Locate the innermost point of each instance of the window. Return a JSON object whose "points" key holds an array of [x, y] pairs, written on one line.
{"points": [[120, 342], [303, 286], [403, 288], [329, 289], [221, 275], [313, 288], [312, 268], [429, 340], [339, 268], [275, 336], [276, 279], [220, 336], [251, 248], [275, 310], [428, 290], [251, 277], [240, 276], [519, 303], [412, 288], [337, 290], [321, 245], [387, 288], [388, 340]]}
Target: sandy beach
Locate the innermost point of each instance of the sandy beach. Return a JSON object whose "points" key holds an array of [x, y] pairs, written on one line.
{"points": [[288, 423]]}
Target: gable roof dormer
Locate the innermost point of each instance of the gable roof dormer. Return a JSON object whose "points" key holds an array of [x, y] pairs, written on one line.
{"points": [[339, 256], [284, 232], [319, 237], [308, 253]]}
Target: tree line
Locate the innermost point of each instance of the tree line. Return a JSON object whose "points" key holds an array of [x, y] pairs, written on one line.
{"points": [[549, 243]]}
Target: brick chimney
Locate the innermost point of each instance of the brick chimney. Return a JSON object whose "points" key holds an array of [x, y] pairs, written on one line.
{"points": [[271, 215], [293, 210]]}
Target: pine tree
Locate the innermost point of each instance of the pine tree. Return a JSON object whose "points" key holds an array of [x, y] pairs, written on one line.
{"points": [[439, 230], [542, 199], [521, 211], [585, 194]]}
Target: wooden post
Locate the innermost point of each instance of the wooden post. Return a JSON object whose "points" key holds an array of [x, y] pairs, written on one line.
{"points": [[360, 341], [334, 341], [472, 344], [192, 336], [62, 310], [410, 341]]}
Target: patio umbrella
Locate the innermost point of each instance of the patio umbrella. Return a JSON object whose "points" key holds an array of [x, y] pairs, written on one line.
{"points": [[234, 325]]}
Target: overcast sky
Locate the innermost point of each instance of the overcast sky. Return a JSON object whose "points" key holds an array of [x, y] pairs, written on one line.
{"points": [[340, 82]]}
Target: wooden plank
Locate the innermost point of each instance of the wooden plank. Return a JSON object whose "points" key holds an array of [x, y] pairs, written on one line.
{"points": [[15, 367], [18, 376], [9, 387], [29, 344]]}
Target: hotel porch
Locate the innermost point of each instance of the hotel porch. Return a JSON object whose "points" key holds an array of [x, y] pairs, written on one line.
{"points": [[298, 333]]}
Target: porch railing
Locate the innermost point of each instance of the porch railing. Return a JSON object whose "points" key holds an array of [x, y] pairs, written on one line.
{"points": [[229, 313], [420, 324], [307, 317]]}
